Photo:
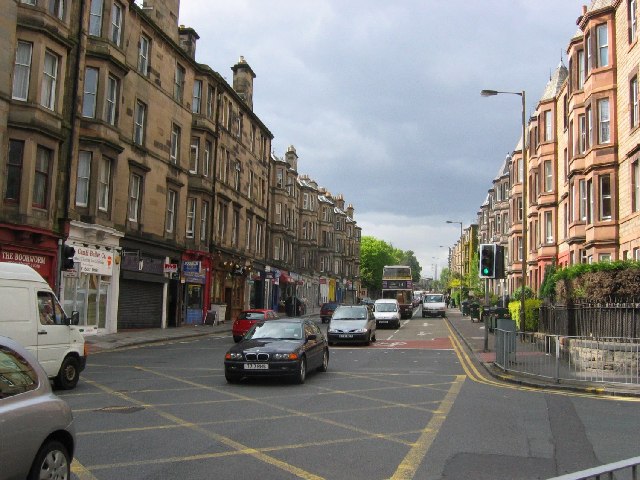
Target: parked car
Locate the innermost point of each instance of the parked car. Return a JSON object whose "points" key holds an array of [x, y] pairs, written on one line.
{"points": [[247, 318], [387, 312], [367, 301], [433, 305], [287, 347], [352, 323], [326, 310], [37, 434]]}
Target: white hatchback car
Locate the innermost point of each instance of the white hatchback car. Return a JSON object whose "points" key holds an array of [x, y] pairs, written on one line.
{"points": [[387, 312]]}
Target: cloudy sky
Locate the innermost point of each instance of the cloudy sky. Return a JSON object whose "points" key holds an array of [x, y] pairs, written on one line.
{"points": [[382, 98]]}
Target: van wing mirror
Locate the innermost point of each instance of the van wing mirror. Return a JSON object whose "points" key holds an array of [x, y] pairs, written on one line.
{"points": [[75, 318]]}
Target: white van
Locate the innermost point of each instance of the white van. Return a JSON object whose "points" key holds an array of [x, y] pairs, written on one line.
{"points": [[387, 312], [31, 315]]}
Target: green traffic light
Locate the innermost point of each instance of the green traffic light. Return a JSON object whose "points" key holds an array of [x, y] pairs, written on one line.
{"points": [[485, 271]]}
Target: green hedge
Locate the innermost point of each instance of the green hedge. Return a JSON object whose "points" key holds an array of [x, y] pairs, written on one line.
{"points": [[531, 309]]}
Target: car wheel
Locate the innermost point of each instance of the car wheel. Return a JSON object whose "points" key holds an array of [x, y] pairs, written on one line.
{"points": [[237, 338], [231, 377], [368, 340], [52, 461], [374, 339], [301, 375], [69, 373], [325, 361]]}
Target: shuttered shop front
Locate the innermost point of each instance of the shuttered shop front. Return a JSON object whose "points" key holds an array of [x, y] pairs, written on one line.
{"points": [[141, 304]]}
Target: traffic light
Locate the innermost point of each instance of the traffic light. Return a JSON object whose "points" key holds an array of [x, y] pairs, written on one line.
{"points": [[68, 252], [487, 260], [499, 270]]}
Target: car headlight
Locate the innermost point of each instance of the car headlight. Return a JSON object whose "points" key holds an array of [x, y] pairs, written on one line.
{"points": [[285, 356], [332, 330], [360, 330], [233, 356]]}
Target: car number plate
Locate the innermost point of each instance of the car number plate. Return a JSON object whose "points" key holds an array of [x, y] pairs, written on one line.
{"points": [[256, 366], [346, 335]]}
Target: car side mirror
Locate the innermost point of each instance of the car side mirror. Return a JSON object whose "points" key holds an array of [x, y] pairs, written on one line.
{"points": [[312, 336], [75, 318]]}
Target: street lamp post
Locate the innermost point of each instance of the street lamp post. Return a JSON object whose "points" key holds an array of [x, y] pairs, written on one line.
{"points": [[490, 93], [461, 257]]}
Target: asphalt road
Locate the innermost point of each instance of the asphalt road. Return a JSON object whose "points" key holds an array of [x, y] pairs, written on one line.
{"points": [[411, 405]]}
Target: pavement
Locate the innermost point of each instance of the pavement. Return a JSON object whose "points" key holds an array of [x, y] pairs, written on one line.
{"points": [[471, 333]]}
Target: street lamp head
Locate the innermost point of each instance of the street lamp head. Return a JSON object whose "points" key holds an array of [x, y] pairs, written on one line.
{"points": [[488, 93]]}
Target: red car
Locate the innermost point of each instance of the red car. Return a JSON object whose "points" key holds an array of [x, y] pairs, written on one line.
{"points": [[247, 318], [326, 311]]}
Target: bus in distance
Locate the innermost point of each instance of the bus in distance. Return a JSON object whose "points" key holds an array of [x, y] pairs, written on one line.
{"points": [[397, 283]]}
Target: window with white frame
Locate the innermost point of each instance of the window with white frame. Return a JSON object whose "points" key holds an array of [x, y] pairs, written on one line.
{"points": [[204, 220], [582, 133], [582, 201], [104, 181], [581, 74], [175, 144], [191, 218], [135, 190], [259, 237], [111, 100], [278, 213], [548, 176], [590, 200], [247, 233], [548, 227], [276, 249], [210, 94], [139, 123], [222, 220], [194, 154], [116, 23], [44, 159], [49, 80], [604, 257], [143, 55], [82, 178], [90, 92], [95, 18], [548, 126], [632, 12], [22, 71], [236, 176], [235, 228], [605, 197], [197, 96], [305, 201], [604, 135], [602, 38], [178, 83], [172, 199], [587, 43], [520, 169], [635, 186], [206, 161], [250, 185], [56, 8], [633, 100], [279, 178]]}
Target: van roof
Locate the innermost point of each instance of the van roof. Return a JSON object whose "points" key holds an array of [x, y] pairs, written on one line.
{"points": [[18, 271], [386, 300]]}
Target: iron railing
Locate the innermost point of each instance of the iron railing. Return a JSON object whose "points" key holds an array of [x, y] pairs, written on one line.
{"points": [[590, 359], [591, 319], [624, 469]]}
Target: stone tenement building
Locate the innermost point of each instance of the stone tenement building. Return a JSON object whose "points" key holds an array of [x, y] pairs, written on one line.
{"points": [[153, 168], [583, 157]]}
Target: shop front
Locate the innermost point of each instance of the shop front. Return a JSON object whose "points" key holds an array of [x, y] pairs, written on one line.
{"points": [[33, 247], [148, 298], [196, 302], [92, 287], [228, 285]]}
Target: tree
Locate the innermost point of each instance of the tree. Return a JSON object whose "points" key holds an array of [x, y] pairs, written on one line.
{"points": [[375, 254]]}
